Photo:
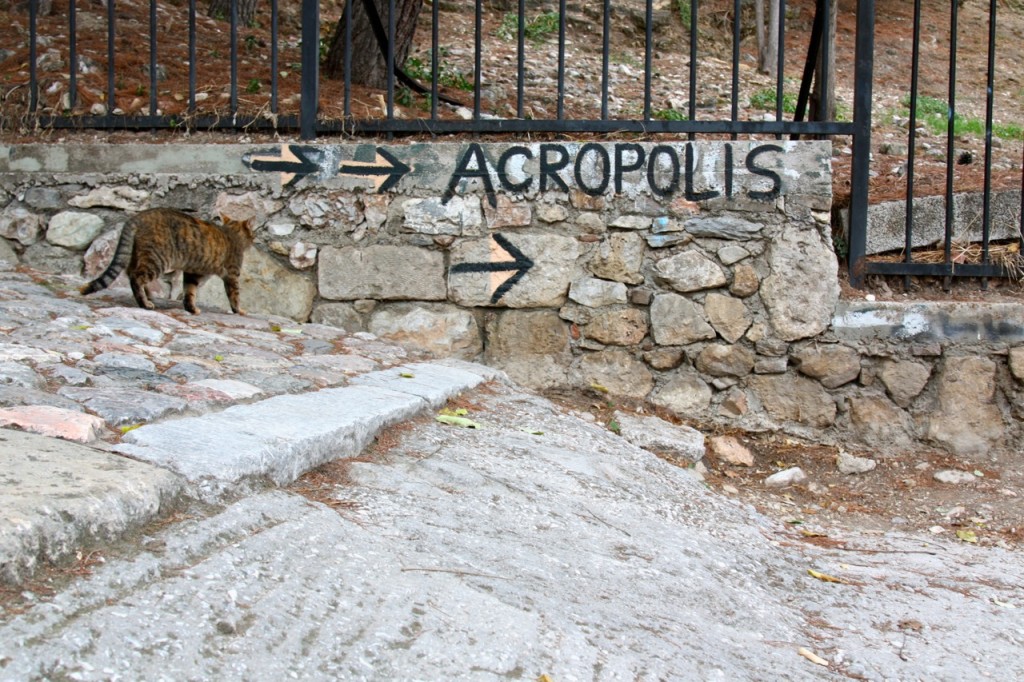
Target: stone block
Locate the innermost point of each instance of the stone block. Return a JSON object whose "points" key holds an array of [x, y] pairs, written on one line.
{"points": [[678, 321], [904, 380], [381, 272], [729, 316], [618, 372], [832, 365], [793, 398], [619, 258], [444, 330], [660, 437], [966, 420], [623, 327], [544, 284], [74, 229], [595, 293], [20, 225], [690, 271], [879, 423], [685, 394], [531, 346], [120, 197], [720, 360], [459, 216], [803, 289]]}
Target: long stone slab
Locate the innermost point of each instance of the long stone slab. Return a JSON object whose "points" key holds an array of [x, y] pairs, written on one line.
{"points": [[927, 321], [56, 496], [283, 437]]}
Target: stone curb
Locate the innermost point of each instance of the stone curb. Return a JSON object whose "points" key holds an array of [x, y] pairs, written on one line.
{"points": [[61, 495], [282, 437]]}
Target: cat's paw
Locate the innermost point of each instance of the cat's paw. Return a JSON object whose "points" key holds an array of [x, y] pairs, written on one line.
{"points": [[239, 311]]}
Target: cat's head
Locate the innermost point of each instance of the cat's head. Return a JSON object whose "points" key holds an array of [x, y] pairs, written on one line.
{"points": [[246, 228]]}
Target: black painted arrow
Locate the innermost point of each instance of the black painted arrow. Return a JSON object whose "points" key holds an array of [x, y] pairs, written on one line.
{"points": [[520, 263], [387, 167], [293, 163]]}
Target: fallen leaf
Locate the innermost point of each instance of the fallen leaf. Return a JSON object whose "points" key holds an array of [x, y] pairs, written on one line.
{"points": [[825, 577], [407, 375], [457, 412], [545, 678], [129, 427], [532, 432], [811, 656], [457, 421], [812, 533], [967, 536], [599, 388]]}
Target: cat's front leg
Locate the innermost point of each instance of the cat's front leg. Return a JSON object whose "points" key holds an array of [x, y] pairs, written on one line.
{"points": [[231, 289], [139, 292]]}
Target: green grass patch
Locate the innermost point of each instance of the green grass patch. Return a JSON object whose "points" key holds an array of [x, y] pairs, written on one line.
{"points": [[933, 114], [447, 75], [668, 115], [765, 99], [536, 29]]}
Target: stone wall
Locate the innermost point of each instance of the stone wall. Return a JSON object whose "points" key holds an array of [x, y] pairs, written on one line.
{"points": [[697, 276]]}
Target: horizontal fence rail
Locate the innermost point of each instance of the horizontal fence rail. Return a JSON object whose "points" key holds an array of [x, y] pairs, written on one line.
{"points": [[257, 65]]}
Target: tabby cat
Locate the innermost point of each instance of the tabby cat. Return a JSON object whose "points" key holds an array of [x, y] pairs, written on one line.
{"points": [[164, 239]]}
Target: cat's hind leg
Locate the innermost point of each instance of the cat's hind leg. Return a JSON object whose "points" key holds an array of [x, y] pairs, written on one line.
{"points": [[139, 291], [190, 283], [231, 289]]}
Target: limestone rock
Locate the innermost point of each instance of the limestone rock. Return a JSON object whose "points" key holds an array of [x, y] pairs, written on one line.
{"points": [[745, 281], [729, 316], [791, 398], [247, 206], [624, 327], [832, 365], [618, 372], [531, 346], [545, 284], [461, 215], [381, 272], [803, 289], [723, 227], [619, 258], [7, 255], [730, 450], [664, 358], [684, 394], [786, 477], [302, 255], [74, 229], [267, 287], [1016, 361], [21, 225], [121, 197], [551, 213], [660, 437], [954, 476], [55, 422], [690, 271], [720, 360], [966, 419], [678, 321], [507, 213], [595, 293], [904, 380], [445, 330], [100, 253], [341, 315], [318, 209], [877, 422], [850, 465]]}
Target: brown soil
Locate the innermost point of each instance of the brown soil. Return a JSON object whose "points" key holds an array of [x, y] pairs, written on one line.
{"points": [[900, 495]]}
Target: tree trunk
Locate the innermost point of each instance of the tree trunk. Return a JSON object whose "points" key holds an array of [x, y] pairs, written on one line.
{"points": [[221, 9], [759, 32], [369, 66]]}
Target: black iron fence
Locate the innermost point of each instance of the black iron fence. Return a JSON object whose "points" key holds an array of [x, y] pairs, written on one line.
{"points": [[504, 67]]}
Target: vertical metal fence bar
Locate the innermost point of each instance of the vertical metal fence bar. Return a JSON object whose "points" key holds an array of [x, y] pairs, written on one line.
{"points": [[813, 49], [780, 65], [192, 66], [986, 207], [111, 85], [234, 56], [605, 56], [947, 280], [648, 57], [915, 72], [861, 162], [560, 114], [391, 61], [823, 71], [72, 54], [734, 109], [435, 49], [520, 57], [310, 69], [691, 112], [477, 58], [152, 57], [33, 84], [273, 56], [347, 69]]}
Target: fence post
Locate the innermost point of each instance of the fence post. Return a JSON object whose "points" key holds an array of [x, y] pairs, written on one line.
{"points": [[310, 68], [861, 162]]}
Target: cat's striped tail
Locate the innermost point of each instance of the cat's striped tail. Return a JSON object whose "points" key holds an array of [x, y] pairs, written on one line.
{"points": [[117, 263]]}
